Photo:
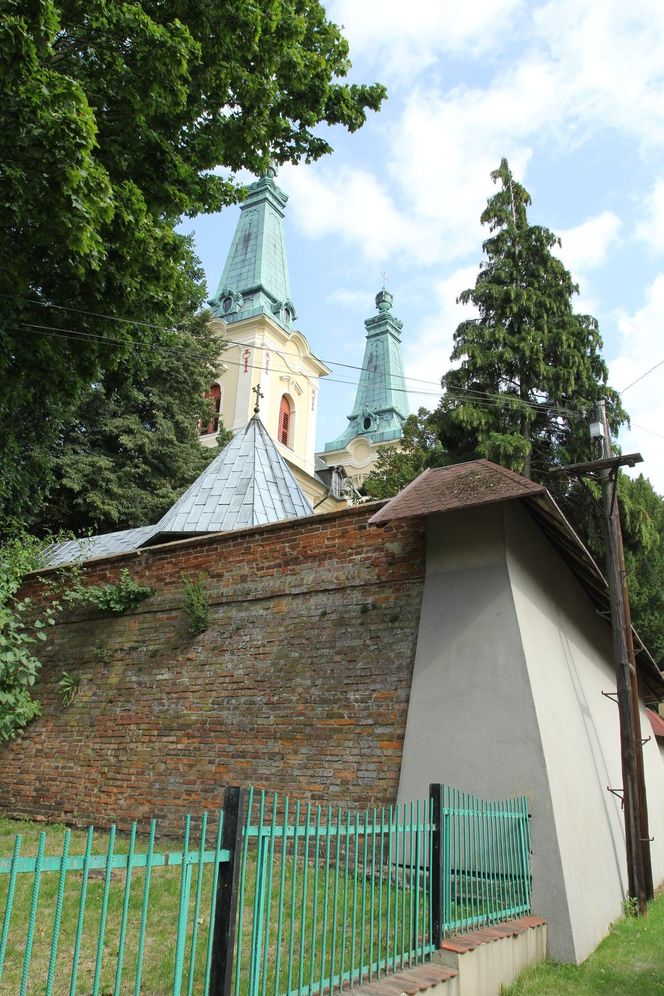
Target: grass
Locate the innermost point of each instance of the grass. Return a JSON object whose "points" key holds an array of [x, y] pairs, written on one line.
{"points": [[629, 962], [324, 911]]}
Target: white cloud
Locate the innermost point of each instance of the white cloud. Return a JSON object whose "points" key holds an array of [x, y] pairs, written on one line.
{"points": [[403, 41], [587, 245], [350, 298], [651, 227], [642, 347]]}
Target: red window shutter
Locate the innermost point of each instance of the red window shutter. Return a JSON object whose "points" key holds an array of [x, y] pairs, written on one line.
{"points": [[284, 421]]}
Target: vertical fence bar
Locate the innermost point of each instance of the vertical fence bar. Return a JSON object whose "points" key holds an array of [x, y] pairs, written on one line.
{"points": [[282, 896], [104, 911], [314, 918], [396, 888], [380, 892], [303, 916], [291, 937], [354, 915], [125, 911], [197, 906], [388, 913], [335, 902], [57, 919], [183, 910], [268, 892], [259, 899], [373, 892], [144, 908], [11, 887], [345, 904], [436, 869], [411, 894], [240, 900], [81, 911], [33, 914], [326, 893], [226, 901], [213, 900], [365, 852]]}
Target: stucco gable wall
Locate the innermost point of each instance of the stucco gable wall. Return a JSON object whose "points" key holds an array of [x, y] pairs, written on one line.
{"points": [[471, 719], [567, 647]]}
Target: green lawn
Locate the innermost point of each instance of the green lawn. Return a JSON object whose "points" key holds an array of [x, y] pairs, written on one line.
{"points": [[629, 962], [324, 910]]}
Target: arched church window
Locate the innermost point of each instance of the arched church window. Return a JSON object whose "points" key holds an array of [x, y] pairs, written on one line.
{"points": [[214, 395], [285, 434]]}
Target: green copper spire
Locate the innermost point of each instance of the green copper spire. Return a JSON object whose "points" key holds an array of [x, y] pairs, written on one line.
{"points": [[255, 278], [381, 402]]}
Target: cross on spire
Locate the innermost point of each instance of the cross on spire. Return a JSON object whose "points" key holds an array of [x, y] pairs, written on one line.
{"points": [[384, 276], [259, 394]]}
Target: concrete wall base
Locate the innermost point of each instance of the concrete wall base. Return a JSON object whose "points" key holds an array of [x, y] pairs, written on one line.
{"points": [[491, 958]]}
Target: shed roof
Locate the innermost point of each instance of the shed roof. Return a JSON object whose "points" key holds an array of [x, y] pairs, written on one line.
{"points": [[481, 482], [462, 485], [657, 723]]}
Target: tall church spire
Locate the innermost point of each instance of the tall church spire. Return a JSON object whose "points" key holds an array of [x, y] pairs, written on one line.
{"points": [[381, 402], [255, 277]]}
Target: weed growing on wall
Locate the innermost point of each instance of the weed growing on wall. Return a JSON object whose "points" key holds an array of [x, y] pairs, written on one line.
{"points": [[68, 688], [116, 598], [196, 606]]}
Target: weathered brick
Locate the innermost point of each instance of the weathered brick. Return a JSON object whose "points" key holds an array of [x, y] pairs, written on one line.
{"points": [[300, 684]]}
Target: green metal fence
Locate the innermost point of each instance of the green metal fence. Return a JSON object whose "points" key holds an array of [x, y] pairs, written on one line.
{"points": [[319, 898], [330, 899], [121, 917], [484, 859]]}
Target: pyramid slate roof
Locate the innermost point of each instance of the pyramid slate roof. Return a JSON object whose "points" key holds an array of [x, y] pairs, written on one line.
{"points": [[247, 484]]}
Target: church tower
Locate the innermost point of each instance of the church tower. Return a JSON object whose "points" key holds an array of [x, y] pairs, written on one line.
{"points": [[381, 402], [256, 317]]}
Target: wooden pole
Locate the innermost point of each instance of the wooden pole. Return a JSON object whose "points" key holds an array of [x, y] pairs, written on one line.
{"points": [[636, 834], [225, 914]]}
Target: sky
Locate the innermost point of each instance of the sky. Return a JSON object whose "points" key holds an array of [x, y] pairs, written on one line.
{"points": [[572, 93]]}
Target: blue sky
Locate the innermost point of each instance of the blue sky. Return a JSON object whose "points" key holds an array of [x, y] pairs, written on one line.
{"points": [[572, 92]]}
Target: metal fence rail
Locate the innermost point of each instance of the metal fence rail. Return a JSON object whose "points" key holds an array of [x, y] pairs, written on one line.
{"points": [[278, 899], [123, 921], [484, 861], [330, 899]]}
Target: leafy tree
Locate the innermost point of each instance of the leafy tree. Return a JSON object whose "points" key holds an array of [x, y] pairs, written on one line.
{"points": [[132, 447], [115, 118], [529, 367]]}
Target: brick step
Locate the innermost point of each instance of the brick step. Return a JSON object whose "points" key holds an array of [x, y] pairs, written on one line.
{"points": [[414, 980]]}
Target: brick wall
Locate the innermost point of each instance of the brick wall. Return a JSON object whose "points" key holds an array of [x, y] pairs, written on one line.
{"points": [[300, 684]]}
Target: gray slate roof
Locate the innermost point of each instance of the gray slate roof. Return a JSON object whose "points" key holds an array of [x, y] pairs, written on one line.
{"points": [[96, 546], [247, 484]]}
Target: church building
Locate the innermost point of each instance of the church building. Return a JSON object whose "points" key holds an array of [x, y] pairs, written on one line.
{"points": [[256, 317]]}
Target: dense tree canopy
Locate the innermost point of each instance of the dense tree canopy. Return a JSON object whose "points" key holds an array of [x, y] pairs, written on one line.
{"points": [[132, 446], [115, 118], [529, 368]]}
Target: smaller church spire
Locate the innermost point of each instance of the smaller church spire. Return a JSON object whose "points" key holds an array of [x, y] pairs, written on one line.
{"points": [[381, 401]]}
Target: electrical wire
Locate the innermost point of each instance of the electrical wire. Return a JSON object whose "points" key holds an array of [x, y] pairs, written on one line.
{"points": [[479, 398], [647, 372]]}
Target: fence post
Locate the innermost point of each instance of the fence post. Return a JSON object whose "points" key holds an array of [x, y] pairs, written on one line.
{"points": [[436, 870], [223, 938]]}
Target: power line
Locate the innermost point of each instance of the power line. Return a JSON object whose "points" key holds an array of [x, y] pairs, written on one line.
{"points": [[661, 363], [479, 398], [172, 329]]}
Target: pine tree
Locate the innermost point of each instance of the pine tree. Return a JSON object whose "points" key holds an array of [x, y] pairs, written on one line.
{"points": [[530, 368]]}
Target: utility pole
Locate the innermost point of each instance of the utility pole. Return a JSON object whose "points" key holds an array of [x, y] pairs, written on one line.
{"points": [[635, 809], [625, 656]]}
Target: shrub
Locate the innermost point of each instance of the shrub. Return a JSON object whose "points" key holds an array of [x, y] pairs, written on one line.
{"points": [[116, 598], [196, 606]]}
